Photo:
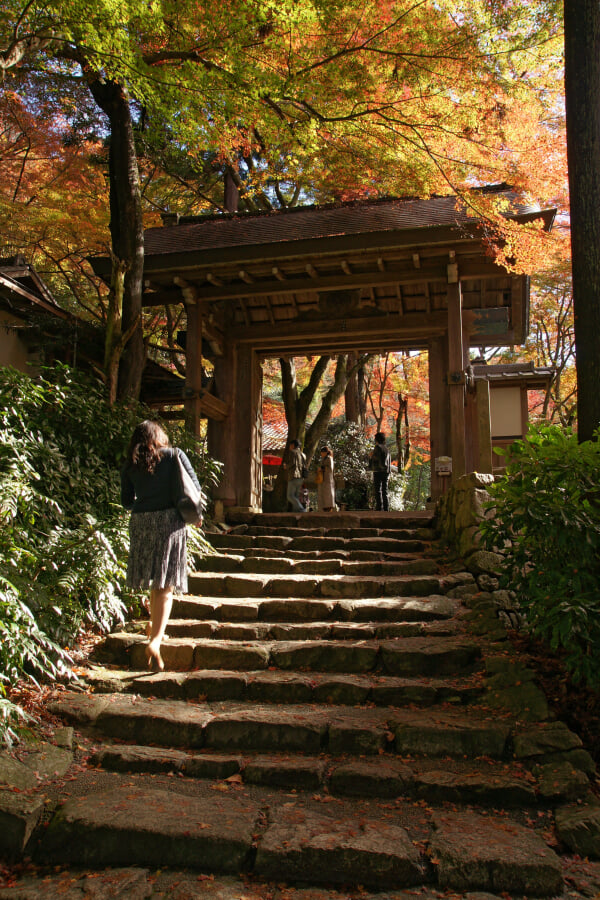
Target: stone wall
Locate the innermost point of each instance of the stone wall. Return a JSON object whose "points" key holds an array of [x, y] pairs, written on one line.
{"points": [[458, 516]]}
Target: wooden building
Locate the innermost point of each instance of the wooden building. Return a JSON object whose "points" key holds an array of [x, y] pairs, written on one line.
{"points": [[366, 276]]}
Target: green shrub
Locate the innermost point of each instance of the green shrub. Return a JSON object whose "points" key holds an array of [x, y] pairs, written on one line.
{"points": [[547, 523], [63, 533]]}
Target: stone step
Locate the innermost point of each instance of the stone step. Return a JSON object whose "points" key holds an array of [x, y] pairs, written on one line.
{"points": [[351, 520], [300, 609], [331, 586], [407, 564], [157, 821], [418, 656], [345, 555], [315, 544], [272, 686], [349, 534], [234, 727], [482, 782], [297, 631]]}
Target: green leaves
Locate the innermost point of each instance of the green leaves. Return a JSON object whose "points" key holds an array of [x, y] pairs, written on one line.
{"points": [[548, 520]]}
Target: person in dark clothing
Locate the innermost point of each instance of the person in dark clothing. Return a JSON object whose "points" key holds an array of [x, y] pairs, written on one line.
{"points": [[380, 463], [157, 551], [295, 467]]}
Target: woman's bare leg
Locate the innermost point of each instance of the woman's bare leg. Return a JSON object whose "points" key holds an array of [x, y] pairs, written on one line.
{"points": [[161, 602]]}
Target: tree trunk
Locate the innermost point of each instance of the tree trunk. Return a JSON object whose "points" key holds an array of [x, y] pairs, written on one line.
{"points": [[582, 87], [351, 398], [125, 347]]}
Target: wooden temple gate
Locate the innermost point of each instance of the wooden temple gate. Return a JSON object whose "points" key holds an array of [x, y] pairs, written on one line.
{"points": [[364, 276]]}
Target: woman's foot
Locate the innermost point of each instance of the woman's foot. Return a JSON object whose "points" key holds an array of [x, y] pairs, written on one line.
{"points": [[154, 660]]}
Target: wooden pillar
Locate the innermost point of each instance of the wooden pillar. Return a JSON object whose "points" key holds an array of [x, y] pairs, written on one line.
{"points": [[248, 427], [193, 363], [484, 426], [439, 411], [456, 380], [222, 438]]}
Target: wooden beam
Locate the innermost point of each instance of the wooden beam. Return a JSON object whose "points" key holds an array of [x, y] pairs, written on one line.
{"points": [[411, 323], [246, 277], [346, 267], [278, 273], [392, 276]]}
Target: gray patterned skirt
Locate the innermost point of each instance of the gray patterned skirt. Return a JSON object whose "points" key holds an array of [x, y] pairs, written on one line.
{"points": [[157, 551]]}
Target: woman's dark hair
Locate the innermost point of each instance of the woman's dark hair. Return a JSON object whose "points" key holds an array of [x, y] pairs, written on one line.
{"points": [[380, 437], [325, 449], [146, 445]]}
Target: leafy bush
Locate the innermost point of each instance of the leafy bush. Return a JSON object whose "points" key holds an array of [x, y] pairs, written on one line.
{"points": [[547, 524], [351, 449], [63, 533]]}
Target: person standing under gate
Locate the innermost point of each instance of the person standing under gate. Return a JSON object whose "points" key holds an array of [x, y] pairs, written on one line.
{"points": [[380, 463], [325, 481], [296, 473]]}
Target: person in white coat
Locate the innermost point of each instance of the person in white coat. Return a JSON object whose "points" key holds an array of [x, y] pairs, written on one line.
{"points": [[326, 485]]}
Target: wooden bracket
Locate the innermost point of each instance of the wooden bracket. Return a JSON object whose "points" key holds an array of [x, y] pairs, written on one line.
{"points": [[456, 378]]}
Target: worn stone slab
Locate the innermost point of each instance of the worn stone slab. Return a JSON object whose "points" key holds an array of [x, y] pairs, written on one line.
{"points": [[265, 728], [349, 690], [448, 732], [192, 628], [326, 656], [177, 654], [301, 844], [487, 786], [429, 655], [82, 708], [127, 758], [364, 732], [152, 827], [559, 782], [417, 585], [289, 773], [544, 738], [19, 815], [16, 774], [225, 655], [295, 610], [279, 687], [473, 852], [163, 722], [371, 779], [310, 631], [318, 566], [241, 631], [578, 827], [222, 562], [200, 685], [294, 586], [47, 760]]}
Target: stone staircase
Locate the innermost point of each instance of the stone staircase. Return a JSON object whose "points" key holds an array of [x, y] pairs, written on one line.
{"points": [[334, 710]]}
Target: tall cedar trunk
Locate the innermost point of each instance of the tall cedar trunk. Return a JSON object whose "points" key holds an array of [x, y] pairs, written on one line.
{"points": [[582, 87], [125, 339]]}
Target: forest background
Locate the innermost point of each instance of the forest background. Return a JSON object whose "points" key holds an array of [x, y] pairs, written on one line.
{"points": [[116, 112]]}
